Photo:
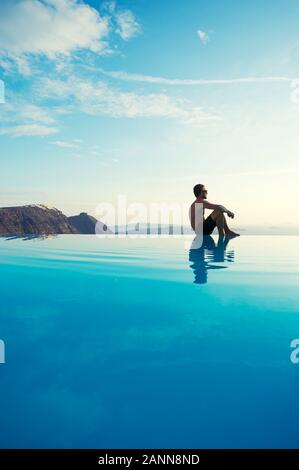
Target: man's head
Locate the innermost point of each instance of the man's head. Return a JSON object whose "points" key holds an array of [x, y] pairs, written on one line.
{"points": [[200, 191]]}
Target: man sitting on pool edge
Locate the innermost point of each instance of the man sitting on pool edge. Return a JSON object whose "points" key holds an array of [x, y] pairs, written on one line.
{"points": [[215, 219]]}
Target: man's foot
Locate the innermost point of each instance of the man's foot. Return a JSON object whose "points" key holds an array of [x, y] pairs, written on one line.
{"points": [[232, 234]]}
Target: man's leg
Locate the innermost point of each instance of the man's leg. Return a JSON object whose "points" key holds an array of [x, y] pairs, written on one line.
{"points": [[218, 217], [220, 220], [228, 232]]}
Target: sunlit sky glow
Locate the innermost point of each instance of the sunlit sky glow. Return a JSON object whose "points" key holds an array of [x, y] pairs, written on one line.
{"points": [[147, 98]]}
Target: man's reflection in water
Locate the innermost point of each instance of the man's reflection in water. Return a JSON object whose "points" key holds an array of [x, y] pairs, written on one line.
{"points": [[209, 252]]}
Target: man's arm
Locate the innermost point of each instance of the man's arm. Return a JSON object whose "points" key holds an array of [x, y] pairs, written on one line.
{"points": [[209, 205]]}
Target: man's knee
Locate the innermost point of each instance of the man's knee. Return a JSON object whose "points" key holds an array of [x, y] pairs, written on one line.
{"points": [[217, 213]]}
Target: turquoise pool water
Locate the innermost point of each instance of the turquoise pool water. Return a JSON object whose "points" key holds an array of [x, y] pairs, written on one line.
{"points": [[118, 343]]}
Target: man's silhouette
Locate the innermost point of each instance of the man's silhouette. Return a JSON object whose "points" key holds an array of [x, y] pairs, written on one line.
{"points": [[215, 219]]}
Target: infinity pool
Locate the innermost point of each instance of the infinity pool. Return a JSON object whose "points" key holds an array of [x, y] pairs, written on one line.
{"points": [[119, 343]]}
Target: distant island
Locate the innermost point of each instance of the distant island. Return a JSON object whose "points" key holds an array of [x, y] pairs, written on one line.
{"points": [[41, 220]]}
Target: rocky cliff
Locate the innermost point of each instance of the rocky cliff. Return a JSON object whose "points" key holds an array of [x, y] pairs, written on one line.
{"points": [[24, 220], [85, 223], [40, 220]]}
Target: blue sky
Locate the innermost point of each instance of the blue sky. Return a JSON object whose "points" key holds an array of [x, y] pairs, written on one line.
{"points": [[147, 98]]}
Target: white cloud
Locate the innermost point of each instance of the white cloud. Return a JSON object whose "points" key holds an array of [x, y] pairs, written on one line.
{"points": [[109, 5], [135, 77], [5, 65], [127, 26], [63, 144], [203, 36], [57, 29], [50, 27], [23, 65], [20, 118], [36, 113], [100, 99], [28, 130]]}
